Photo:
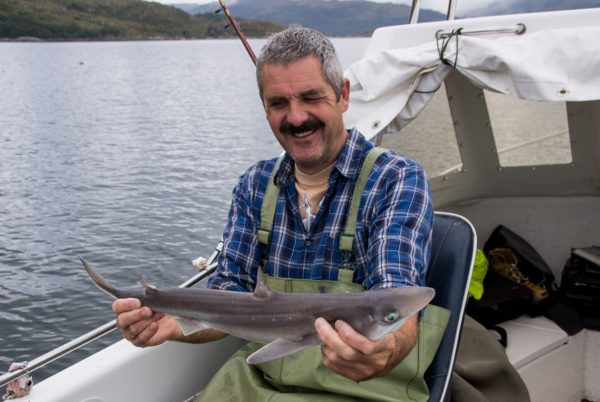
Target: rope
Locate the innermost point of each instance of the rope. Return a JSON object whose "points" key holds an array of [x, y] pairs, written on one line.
{"points": [[442, 45]]}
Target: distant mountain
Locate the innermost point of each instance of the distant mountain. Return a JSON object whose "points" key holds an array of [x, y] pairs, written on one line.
{"points": [[192, 8], [332, 17], [112, 19], [138, 19], [356, 17]]}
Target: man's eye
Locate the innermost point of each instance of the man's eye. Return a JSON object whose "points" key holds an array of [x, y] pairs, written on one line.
{"points": [[312, 99], [275, 105]]}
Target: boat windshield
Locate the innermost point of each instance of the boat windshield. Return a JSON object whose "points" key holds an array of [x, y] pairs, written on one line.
{"points": [[429, 139], [529, 133]]}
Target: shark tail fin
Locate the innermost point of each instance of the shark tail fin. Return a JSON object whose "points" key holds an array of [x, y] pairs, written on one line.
{"points": [[99, 280]]}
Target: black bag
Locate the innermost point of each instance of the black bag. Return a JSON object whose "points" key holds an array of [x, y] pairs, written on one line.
{"points": [[505, 299], [502, 300], [580, 285], [530, 263]]}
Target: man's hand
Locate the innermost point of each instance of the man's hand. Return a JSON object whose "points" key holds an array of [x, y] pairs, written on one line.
{"points": [[354, 356], [142, 326]]}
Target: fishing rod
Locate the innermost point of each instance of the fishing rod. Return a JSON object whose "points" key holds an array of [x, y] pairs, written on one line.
{"points": [[237, 29]]}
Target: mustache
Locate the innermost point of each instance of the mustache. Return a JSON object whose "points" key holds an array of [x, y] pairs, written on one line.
{"points": [[307, 125]]}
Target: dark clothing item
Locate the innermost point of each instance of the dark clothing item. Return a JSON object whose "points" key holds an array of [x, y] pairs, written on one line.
{"points": [[482, 372]]}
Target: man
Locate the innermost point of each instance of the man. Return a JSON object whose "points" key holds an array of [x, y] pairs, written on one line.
{"points": [[304, 95]]}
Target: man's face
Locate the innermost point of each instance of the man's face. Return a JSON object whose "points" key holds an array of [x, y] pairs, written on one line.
{"points": [[303, 112]]}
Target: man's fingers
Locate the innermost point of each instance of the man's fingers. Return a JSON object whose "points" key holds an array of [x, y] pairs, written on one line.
{"points": [[123, 305], [331, 340], [354, 356], [326, 332], [354, 370], [129, 318], [139, 325], [142, 326], [358, 341], [144, 337]]}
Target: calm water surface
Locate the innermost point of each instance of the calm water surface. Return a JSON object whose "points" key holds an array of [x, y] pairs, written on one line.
{"points": [[124, 153]]}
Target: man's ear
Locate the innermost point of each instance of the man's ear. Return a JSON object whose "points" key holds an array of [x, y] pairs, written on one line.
{"points": [[345, 95]]}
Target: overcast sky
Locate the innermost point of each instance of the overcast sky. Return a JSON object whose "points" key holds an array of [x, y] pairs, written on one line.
{"points": [[438, 5]]}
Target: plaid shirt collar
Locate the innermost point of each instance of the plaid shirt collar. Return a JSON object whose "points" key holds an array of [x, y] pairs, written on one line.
{"points": [[348, 162]]}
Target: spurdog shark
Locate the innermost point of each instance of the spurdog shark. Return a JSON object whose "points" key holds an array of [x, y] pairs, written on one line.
{"points": [[284, 321]]}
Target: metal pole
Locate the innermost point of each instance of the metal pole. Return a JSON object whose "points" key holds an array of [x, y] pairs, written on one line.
{"points": [[414, 12], [451, 10], [517, 30], [59, 352]]}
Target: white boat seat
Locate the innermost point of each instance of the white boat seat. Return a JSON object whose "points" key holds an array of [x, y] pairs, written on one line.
{"points": [[550, 362], [529, 338]]}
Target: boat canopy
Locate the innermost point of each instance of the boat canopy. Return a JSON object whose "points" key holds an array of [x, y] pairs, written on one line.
{"points": [[391, 85]]}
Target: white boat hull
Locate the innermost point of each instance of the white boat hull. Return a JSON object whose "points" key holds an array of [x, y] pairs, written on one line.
{"points": [[123, 372]]}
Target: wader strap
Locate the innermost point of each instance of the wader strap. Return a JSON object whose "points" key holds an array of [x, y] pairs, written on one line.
{"points": [[267, 210], [296, 285], [347, 236]]}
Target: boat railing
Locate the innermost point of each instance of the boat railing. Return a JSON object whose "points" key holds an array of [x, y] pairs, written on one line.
{"points": [[206, 267], [517, 30]]}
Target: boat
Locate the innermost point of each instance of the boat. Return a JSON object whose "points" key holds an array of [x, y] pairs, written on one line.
{"points": [[521, 148]]}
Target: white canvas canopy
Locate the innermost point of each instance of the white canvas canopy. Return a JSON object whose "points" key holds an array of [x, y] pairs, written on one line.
{"points": [[394, 85]]}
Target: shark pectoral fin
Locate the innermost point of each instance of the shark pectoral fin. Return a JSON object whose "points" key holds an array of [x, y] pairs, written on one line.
{"points": [[189, 325], [280, 348]]}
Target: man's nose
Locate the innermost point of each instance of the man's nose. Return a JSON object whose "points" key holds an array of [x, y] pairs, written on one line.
{"points": [[296, 113]]}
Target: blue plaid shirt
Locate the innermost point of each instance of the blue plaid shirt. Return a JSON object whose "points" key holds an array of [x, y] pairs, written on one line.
{"points": [[393, 231]]}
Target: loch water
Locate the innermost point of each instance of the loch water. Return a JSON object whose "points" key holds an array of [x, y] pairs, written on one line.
{"points": [[123, 153]]}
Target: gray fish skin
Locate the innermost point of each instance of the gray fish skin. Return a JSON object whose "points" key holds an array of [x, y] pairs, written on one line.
{"points": [[284, 321]]}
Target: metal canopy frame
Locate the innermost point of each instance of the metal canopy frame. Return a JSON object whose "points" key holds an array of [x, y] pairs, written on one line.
{"points": [[416, 8]]}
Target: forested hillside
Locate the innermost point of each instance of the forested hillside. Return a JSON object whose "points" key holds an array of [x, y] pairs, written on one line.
{"points": [[112, 20]]}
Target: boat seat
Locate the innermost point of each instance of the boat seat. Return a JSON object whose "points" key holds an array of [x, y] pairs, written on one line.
{"points": [[540, 350], [530, 338], [452, 255]]}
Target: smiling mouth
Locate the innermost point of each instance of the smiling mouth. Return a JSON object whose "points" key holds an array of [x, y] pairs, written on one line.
{"points": [[303, 133], [304, 130]]}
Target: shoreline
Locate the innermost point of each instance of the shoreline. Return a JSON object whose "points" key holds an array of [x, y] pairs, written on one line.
{"points": [[34, 39]]}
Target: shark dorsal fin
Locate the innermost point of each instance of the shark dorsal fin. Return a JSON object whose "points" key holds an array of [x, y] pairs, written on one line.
{"points": [[261, 291]]}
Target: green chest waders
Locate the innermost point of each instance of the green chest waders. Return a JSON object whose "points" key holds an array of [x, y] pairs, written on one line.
{"points": [[302, 376]]}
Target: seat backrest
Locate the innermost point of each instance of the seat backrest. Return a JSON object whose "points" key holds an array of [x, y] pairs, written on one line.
{"points": [[452, 255]]}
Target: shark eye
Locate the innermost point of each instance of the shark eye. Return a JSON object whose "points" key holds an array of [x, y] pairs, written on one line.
{"points": [[391, 317]]}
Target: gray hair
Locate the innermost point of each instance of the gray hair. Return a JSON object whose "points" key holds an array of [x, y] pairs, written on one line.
{"points": [[297, 42]]}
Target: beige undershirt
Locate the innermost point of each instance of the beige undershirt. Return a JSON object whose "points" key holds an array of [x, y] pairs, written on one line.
{"points": [[311, 188]]}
